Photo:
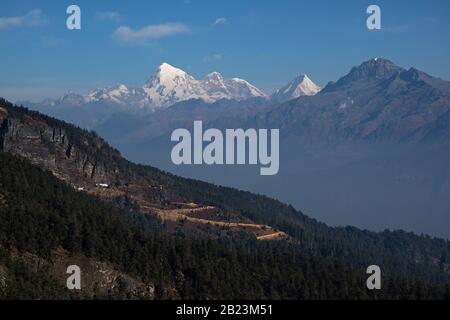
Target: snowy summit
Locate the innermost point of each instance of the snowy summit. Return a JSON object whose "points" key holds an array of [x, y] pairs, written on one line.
{"points": [[302, 85]]}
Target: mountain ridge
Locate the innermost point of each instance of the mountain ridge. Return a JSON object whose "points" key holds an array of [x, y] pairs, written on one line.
{"points": [[167, 86]]}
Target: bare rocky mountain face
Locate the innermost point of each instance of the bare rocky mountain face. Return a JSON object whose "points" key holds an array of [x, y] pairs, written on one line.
{"points": [[99, 279]]}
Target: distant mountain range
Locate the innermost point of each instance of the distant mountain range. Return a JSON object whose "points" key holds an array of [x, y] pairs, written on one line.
{"points": [[375, 101], [359, 148], [169, 85]]}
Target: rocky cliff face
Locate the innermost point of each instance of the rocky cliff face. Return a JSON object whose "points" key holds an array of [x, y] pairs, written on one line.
{"points": [[75, 159], [100, 280], [49, 147]]}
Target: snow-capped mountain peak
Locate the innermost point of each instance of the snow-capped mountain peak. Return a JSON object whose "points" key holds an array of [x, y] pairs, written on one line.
{"points": [[214, 76], [165, 67], [167, 73], [304, 86], [118, 94], [242, 88], [214, 84], [167, 85], [301, 85]]}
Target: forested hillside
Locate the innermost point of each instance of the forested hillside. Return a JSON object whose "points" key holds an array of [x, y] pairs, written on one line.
{"points": [[40, 214]]}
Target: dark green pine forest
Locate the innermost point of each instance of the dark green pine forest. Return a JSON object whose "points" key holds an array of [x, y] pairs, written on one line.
{"points": [[39, 213]]}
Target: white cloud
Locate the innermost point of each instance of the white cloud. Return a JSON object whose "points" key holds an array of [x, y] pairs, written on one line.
{"points": [[213, 57], [148, 33], [220, 21], [31, 19], [109, 16]]}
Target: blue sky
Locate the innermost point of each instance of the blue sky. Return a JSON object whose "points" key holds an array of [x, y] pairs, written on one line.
{"points": [[265, 42]]}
